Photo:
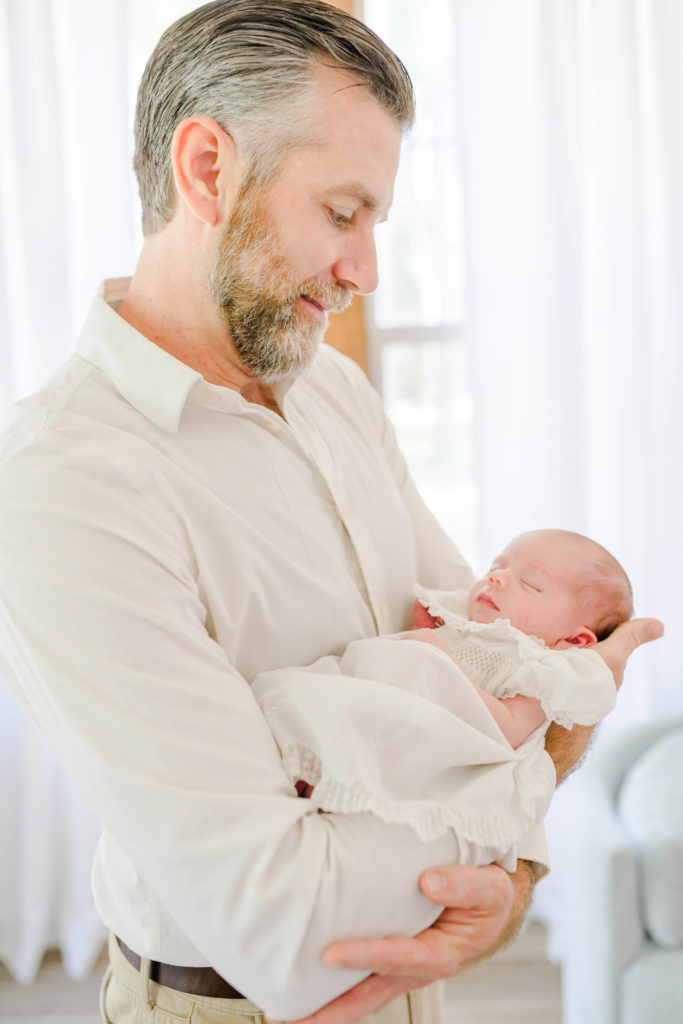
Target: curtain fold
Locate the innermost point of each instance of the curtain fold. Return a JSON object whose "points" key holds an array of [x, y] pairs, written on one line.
{"points": [[66, 221], [572, 154]]}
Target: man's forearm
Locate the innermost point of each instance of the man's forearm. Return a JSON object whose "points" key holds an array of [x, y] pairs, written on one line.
{"points": [[523, 881], [567, 747]]}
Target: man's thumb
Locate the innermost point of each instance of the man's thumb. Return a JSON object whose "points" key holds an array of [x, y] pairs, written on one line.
{"points": [[642, 631]]}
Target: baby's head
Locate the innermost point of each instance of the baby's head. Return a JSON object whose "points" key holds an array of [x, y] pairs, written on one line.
{"points": [[556, 585]]}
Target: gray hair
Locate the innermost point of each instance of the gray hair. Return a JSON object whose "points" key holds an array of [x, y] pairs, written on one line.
{"points": [[249, 65]]}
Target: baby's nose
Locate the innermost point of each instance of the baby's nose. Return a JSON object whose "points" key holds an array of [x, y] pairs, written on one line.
{"points": [[498, 578]]}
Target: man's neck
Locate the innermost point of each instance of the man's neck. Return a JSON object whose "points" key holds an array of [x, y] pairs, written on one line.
{"points": [[178, 315]]}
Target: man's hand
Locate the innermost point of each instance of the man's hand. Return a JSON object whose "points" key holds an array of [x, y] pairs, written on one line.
{"points": [[567, 746], [478, 904], [620, 645]]}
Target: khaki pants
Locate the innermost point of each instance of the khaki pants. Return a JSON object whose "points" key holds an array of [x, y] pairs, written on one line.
{"points": [[129, 997]]}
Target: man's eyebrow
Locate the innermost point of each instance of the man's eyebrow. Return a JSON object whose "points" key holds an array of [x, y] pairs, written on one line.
{"points": [[359, 192]]}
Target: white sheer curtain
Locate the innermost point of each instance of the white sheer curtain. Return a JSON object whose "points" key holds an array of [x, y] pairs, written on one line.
{"points": [[571, 125], [66, 221]]}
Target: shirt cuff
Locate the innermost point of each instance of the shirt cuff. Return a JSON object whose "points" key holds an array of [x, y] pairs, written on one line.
{"points": [[535, 849]]}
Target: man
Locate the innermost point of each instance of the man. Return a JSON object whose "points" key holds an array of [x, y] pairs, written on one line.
{"points": [[203, 494]]}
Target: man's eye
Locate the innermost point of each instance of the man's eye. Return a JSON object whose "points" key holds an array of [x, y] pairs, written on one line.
{"points": [[530, 586], [342, 220]]}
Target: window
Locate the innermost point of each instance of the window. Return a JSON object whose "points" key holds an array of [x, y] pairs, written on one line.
{"points": [[418, 356]]}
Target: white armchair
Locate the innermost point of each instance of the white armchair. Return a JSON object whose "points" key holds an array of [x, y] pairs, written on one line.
{"points": [[624, 890]]}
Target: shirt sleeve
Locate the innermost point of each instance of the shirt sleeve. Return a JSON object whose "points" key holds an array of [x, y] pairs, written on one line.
{"points": [[104, 638]]}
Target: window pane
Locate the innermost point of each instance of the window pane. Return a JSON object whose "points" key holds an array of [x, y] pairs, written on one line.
{"points": [[427, 397], [420, 249]]}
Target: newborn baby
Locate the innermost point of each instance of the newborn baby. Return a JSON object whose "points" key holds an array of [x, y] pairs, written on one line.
{"points": [[443, 727]]}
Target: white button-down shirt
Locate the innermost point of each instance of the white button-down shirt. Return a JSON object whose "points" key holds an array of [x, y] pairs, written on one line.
{"points": [[162, 541]]}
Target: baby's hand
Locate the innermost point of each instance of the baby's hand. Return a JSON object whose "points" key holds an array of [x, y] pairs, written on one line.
{"points": [[429, 635], [422, 619]]}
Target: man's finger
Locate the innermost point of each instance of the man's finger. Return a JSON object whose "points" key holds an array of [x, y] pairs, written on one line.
{"points": [[485, 889], [635, 632], [396, 955], [366, 998], [646, 630], [620, 645]]}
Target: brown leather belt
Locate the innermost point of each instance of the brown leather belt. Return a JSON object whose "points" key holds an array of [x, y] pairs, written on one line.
{"points": [[195, 981]]}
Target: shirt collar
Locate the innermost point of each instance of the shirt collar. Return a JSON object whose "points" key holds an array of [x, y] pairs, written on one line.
{"points": [[154, 382]]}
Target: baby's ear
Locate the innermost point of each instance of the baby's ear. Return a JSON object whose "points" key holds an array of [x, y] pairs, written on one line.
{"points": [[582, 637]]}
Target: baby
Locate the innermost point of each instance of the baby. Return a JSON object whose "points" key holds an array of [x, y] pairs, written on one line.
{"points": [[443, 727], [560, 588]]}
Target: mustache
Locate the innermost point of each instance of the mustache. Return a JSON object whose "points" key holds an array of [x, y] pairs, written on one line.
{"points": [[334, 295]]}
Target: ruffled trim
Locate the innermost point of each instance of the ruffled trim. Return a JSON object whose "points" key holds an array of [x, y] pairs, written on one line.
{"points": [[549, 699], [501, 824], [553, 714], [430, 599], [530, 647]]}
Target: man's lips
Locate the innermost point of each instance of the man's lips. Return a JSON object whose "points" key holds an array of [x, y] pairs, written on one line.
{"points": [[324, 307], [486, 600]]}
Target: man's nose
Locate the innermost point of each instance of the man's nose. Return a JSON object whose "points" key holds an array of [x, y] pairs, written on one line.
{"points": [[356, 269]]}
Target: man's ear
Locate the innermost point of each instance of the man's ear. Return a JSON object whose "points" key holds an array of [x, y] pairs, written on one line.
{"points": [[581, 637], [206, 167]]}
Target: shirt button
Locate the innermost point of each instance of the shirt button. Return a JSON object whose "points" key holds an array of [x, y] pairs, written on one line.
{"points": [[273, 427], [211, 397]]}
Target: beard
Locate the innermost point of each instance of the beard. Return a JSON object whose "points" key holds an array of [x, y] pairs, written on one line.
{"points": [[256, 291]]}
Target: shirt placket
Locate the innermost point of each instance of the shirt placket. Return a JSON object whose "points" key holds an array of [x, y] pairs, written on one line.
{"points": [[370, 568], [370, 574]]}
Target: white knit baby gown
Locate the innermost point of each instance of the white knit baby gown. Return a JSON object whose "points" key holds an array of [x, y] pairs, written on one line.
{"points": [[393, 727]]}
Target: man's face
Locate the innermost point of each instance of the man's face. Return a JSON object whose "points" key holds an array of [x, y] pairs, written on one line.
{"points": [[258, 293], [297, 249]]}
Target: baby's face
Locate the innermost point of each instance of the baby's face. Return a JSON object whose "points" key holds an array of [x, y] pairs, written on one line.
{"points": [[533, 583]]}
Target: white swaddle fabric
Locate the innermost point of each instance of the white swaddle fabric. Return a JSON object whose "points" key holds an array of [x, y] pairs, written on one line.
{"points": [[395, 728]]}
